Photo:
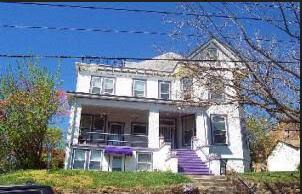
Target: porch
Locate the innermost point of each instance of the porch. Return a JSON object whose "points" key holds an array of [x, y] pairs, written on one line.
{"points": [[134, 128]]}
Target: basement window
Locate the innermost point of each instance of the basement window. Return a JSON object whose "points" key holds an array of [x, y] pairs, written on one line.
{"points": [[144, 161]]}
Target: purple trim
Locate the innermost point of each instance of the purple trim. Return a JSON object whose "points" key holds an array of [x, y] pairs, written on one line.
{"points": [[128, 151]]}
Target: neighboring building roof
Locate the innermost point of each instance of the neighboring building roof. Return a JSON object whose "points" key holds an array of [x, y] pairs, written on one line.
{"points": [[159, 65], [286, 143]]}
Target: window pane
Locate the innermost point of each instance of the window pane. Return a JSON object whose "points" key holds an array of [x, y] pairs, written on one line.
{"points": [[143, 167], [96, 85], [117, 163], [212, 53], [79, 155], [79, 159], [85, 121], [220, 137], [164, 96], [144, 157], [95, 159], [98, 123], [96, 90], [96, 155], [139, 129], [139, 88], [165, 87], [108, 85]]}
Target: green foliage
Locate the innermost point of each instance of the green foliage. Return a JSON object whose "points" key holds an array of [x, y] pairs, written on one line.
{"points": [[273, 177], [261, 142], [74, 179], [30, 100]]}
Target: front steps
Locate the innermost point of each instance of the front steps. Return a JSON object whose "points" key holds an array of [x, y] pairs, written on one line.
{"points": [[190, 164], [213, 184]]}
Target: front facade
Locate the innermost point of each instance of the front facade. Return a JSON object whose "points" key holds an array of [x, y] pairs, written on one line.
{"points": [[146, 116]]}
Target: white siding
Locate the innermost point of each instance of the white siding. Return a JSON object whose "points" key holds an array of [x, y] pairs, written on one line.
{"points": [[283, 158]]}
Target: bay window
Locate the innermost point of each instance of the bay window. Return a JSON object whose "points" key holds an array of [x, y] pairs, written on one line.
{"points": [[164, 89], [219, 129]]}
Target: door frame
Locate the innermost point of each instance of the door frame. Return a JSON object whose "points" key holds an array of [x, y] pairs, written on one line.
{"points": [[122, 124], [183, 129], [173, 130]]}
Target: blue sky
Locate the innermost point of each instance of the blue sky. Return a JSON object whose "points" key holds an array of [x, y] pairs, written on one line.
{"points": [[46, 42]]}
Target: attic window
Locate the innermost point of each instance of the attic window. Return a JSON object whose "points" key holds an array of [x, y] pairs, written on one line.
{"points": [[212, 53]]}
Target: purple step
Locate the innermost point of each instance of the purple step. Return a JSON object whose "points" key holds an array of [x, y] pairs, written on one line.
{"points": [[190, 163]]}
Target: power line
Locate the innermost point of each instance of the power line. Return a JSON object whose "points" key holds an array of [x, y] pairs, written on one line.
{"points": [[131, 58], [125, 31], [96, 30], [145, 11]]}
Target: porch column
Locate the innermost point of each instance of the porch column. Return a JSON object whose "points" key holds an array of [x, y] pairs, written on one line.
{"points": [[200, 127], [77, 121], [73, 131], [153, 128]]}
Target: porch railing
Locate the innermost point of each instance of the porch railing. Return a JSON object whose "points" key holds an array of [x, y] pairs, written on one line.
{"points": [[209, 158], [100, 138]]}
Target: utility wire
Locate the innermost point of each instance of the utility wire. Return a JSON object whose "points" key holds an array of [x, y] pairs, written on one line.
{"points": [[125, 31], [145, 11], [132, 58]]}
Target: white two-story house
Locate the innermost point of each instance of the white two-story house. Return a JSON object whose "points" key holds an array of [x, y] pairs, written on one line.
{"points": [[140, 116]]}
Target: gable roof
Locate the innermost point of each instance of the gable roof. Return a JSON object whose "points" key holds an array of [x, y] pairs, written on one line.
{"points": [[159, 65], [219, 44]]}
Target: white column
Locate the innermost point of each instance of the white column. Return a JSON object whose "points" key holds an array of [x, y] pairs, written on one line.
{"points": [[75, 112], [77, 121], [153, 128], [200, 127], [179, 132]]}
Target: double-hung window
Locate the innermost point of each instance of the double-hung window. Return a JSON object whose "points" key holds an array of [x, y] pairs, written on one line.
{"points": [[187, 87], [87, 159], [144, 161], [164, 89], [108, 85], [102, 85], [96, 85], [219, 129], [95, 159], [139, 88], [216, 90], [79, 158]]}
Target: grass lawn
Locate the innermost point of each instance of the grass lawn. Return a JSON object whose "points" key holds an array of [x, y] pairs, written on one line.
{"points": [[273, 177], [77, 179]]}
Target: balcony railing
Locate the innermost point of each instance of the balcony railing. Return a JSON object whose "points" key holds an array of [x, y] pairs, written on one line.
{"points": [[100, 138]]}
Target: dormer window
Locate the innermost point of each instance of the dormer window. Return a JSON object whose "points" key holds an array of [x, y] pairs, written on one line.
{"points": [[139, 88], [212, 53]]}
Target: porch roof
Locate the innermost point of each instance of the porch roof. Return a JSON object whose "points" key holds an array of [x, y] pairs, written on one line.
{"points": [[134, 99]]}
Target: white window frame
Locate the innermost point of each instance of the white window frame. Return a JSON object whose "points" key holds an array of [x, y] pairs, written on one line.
{"points": [[103, 84], [150, 163], [145, 87], [222, 91], [101, 160], [226, 129], [92, 84], [160, 91], [73, 158]]}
